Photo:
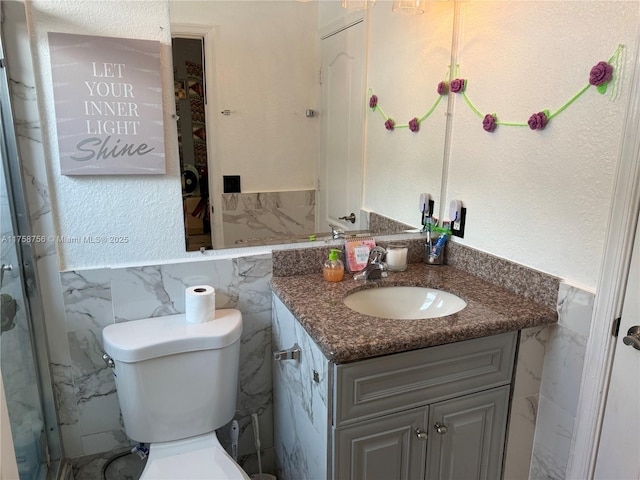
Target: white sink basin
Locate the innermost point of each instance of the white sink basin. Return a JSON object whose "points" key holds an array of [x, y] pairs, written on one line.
{"points": [[404, 303]]}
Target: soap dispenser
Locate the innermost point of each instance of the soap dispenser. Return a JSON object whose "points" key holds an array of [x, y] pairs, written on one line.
{"points": [[333, 268]]}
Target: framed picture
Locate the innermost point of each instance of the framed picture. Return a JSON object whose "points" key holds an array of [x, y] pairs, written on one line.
{"points": [[108, 105]]}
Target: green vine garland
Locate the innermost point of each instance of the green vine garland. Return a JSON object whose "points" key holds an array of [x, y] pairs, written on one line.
{"points": [[600, 76]]}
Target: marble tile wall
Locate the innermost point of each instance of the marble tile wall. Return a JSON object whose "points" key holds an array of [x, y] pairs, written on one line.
{"points": [[86, 394], [301, 403], [524, 403], [560, 383], [267, 215]]}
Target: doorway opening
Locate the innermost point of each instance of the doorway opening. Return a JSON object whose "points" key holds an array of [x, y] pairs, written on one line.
{"points": [[190, 98]]}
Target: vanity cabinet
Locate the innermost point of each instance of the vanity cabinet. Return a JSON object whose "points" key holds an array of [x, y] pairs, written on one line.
{"points": [[434, 413], [461, 438]]}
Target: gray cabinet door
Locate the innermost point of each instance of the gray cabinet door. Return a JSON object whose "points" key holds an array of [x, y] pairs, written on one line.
{"points": [[385, 448], [467, 435]]}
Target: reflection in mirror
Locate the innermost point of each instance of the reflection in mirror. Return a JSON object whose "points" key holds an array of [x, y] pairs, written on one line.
{"points": [[408, 56], [192, 140], [271, 125]]}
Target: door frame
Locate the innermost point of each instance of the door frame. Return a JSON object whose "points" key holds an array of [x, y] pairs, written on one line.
{"points": [[208, 34], [614, 270]]}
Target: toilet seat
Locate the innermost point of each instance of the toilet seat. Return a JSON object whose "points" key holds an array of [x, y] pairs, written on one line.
{"points": [[200, 457]]}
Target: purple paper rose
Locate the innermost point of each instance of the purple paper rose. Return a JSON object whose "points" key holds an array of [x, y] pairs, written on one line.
{"points": [[538, 121], [458, 85], [414, 125], [489, 122], [601, 73], [389, 124], [442, 88], [373, 101]]}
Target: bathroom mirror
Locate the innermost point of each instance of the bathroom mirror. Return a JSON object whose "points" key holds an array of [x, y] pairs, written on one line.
{"points": [[251, 118]]}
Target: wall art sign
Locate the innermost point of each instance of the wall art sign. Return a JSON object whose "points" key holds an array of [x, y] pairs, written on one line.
{"points": [[108, 104]]}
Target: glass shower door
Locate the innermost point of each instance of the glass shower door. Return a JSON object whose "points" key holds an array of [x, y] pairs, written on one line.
{"points": [[17, 358], [24, 362]]}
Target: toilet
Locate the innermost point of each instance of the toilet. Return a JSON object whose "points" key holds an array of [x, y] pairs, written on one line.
{"points": [[177, 383]]}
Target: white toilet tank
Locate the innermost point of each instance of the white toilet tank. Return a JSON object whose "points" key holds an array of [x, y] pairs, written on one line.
{"points": [[175, 379]]}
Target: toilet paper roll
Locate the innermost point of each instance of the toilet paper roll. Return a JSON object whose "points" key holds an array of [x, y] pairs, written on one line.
{"points": [[200, 304]]}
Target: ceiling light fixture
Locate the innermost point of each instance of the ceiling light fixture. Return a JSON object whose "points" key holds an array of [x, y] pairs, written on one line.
{"points": [[358, 4], [408, 7]]}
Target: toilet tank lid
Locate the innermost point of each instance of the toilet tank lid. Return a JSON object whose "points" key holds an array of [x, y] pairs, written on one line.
{"points": [[149, 338]]}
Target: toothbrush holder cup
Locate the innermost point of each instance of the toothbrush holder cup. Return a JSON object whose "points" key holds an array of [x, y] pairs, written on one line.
{"points": [[433, 256]]}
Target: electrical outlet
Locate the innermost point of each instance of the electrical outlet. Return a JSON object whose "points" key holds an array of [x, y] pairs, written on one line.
{"points": [[457, 228]]}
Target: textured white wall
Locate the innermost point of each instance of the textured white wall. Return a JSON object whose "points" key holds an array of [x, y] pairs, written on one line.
{"points": [[540, 198]]}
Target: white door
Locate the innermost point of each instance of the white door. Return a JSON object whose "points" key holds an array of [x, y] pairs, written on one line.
{"points": [[619, 449], [339, 192]]}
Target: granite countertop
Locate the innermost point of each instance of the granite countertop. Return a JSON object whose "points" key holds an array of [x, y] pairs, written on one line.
{"points": [[344, 335]]}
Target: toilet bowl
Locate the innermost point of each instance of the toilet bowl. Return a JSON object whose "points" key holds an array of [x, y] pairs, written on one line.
{"points": [[177, 383], [193, 458]]}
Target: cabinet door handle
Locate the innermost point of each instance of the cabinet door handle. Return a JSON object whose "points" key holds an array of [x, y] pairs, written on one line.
{"points": [[441, 429], [421, 434]]}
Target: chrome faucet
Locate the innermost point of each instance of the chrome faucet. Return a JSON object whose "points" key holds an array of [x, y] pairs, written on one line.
{"points": [[336, 232], [376, 268]]}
